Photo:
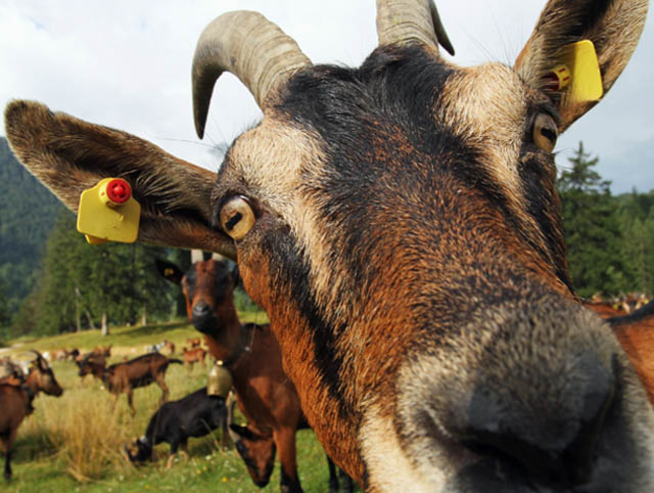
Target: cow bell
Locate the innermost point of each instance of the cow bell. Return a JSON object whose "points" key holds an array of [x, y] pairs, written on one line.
{"points": [[219, 380]]}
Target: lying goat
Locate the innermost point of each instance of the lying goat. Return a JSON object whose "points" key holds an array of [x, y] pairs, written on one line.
{"points": [[16, 395], [195, 415], [125, 377]]}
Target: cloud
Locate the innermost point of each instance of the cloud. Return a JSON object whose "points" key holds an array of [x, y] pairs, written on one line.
{"points": [[126, 64]]}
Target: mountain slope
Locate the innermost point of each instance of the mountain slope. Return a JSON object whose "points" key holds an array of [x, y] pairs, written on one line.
{"points": [[27, 212]]}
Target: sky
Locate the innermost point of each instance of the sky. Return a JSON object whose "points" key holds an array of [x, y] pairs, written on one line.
{"points": [[127, 64]]}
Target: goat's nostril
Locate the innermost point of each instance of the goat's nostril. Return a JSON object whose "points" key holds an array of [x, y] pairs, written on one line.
{"points": [[551, 443], [201, 309]]}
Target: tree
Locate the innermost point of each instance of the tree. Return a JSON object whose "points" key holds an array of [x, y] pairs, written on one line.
{"points": [[4, 312], [591, 228], [108, 284]]}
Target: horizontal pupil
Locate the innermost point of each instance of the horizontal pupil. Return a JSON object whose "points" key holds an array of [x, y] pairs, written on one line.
{"points": [[233, 221], [549, 134]]}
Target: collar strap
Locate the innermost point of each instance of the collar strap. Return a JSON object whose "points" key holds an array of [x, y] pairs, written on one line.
{"points": [[244, 346]]}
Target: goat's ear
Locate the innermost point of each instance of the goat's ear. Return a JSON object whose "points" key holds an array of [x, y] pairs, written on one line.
{"points": [[614, 27], [70, 155], [169, 271], [243, 432]]}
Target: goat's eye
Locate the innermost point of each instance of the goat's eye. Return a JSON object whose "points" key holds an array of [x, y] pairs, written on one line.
{"points": [[545, 132], [237, 217]]}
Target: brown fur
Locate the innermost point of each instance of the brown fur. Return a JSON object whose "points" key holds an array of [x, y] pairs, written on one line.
{"points": [[265, 395], [16, 402], [195, 341], [123, 378], [636, 335], [407, 248], [194, 355]]}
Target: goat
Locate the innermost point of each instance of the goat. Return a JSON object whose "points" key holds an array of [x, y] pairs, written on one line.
{"points": [[195, 415], [264, 393], [399, 224], [155, 348], [194, 342], [170, 346], [194, 355], [123, 378], [16, 396], [636, 335], [102, 351]]}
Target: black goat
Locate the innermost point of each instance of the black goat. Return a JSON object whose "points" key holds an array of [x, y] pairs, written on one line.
{"points": [[195, 415]]}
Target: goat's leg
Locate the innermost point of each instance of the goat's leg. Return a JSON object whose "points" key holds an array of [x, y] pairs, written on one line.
{"points": [[333, 478], [171, 454], [114, 403], [6, 444], [130, 402], [161, 382], [285, 440], [184, 447], [347, 484], [228, 418], [7, 473]]}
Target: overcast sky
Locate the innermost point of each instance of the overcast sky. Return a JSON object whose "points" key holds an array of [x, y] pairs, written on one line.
{"points": [[126, 64]]}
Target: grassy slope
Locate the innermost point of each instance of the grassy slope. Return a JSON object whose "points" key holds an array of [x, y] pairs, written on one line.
{"points": [[74, 443]]}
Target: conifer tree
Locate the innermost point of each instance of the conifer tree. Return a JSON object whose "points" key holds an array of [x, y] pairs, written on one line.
{"points": [[591, 227]]}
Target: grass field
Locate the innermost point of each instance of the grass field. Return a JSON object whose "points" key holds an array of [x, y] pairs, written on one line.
{"points": [[75, 443]]}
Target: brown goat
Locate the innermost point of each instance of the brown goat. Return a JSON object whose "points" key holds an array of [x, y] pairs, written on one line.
{"points": [[123, 378], [194, 342], [194, 355], [265, 395], [16, 402], [399, 224], [636, 335], [170, 346]]}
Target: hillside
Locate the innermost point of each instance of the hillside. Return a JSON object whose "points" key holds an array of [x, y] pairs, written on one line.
{"points": [[27, 212]]}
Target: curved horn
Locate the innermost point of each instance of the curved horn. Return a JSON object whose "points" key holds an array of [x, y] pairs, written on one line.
{"points": [[404, 21], [249, 46], [39, 357]]}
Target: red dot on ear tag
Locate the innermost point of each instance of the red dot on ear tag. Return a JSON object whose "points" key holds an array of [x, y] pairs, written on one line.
{"points": [[119, 191]]}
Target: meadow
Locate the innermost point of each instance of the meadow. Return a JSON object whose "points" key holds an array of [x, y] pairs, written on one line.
{"points": [[74, 443]]}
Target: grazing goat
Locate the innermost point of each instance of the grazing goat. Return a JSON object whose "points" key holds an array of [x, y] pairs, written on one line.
{"points": [[195, 415], [264, 393], [400, 225], [16, 398], [123, 378]]}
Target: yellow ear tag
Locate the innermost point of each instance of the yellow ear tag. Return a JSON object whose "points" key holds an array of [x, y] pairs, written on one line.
{"points": [[579, 72], [108, 212]]}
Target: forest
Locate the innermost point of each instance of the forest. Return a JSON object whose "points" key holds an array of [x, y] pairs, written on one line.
{"points": [[52, 281]]}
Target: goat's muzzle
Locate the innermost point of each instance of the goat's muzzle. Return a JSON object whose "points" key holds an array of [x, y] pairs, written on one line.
{"points": [[525, 402], [203, 317]]}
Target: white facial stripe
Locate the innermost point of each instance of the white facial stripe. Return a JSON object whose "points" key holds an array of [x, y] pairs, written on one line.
{"points": [[379, 442]]}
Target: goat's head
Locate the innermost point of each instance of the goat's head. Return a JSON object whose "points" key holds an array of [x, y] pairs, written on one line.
{"points": [[257, 451], [139, 451], [208, 288], [41, 377], [399, 224], [88, 361]]}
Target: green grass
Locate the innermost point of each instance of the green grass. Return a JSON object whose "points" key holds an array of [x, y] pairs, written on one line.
{"points": [[74, 442]]}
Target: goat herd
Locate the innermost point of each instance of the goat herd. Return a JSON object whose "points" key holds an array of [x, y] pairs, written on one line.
{"points": [[264, 394]]}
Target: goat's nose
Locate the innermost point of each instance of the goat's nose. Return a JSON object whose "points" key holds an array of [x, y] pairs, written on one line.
{"points": [[551, 443], [201, 309]]}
